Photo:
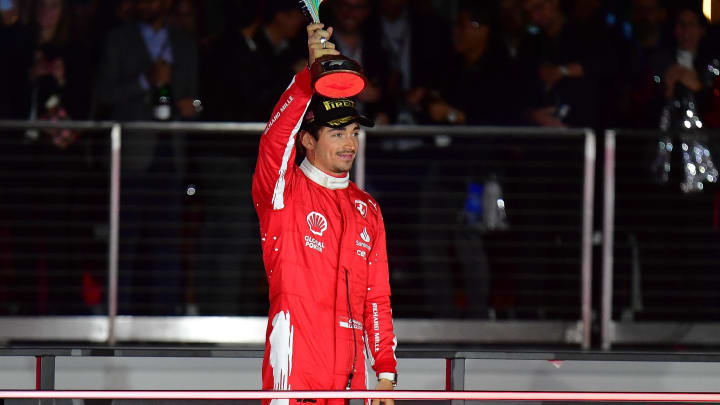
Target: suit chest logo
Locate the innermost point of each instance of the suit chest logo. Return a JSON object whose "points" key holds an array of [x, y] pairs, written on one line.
{"points": [[364, 244], [365, 236], [361, 207], [317, 223]]}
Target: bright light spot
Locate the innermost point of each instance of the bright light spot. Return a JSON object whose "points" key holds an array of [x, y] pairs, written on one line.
{"points": [[191, 189], [685, 147], [501, 203], [702, 170], [707, 9], [689, 113], [698, 123], [691, 168], [656, 78], [687, 124], [700, 186]]}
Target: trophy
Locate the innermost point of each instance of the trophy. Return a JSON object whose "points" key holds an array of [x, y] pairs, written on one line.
{"points": [[333, 76]]}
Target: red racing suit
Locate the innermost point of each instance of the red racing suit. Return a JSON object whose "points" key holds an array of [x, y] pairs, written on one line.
{"points": [[323, 243]]}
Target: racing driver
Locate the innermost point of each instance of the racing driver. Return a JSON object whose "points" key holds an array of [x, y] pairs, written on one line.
{"points": [[323, 243]]}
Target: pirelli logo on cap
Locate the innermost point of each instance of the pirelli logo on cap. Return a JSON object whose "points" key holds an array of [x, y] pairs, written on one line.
{"points": [[332, 104]]}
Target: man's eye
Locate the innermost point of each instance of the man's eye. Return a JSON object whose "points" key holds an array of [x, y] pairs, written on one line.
{"points": [[356, 134]]}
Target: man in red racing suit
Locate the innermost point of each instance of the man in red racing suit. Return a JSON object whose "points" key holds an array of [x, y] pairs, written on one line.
{"points": [[323, 243]]}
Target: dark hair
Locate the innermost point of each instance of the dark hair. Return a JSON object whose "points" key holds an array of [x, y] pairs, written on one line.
{"points": [[313, 130], [274, 7], [61, 37], [478, 11], [695, 10], [241, 13]]}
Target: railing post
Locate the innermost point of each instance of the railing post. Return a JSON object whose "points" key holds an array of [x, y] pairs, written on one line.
{"points": [[114, 237], [45, 376], [457, 378], [360, 160], [587, 230], [608, 239]]}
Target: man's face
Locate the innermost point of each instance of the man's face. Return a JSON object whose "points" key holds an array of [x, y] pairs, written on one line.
{"points": [[541, 12], [647, 17], [688, 30], [350, 14], [290, 22], [49, 12], [469, 35], [149, 11], [335, 149]]}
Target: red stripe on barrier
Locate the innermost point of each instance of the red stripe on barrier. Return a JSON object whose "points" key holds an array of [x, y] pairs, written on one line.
{"points": [[38, 372], [448, 374], [432, 395]]}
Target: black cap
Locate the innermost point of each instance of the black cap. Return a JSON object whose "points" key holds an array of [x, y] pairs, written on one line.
{"points": [[333, 113]]}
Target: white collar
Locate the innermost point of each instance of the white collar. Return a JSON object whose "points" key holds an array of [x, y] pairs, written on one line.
{"points": [[322, 178]]}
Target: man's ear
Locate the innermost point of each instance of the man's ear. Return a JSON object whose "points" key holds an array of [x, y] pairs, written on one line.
{"points": [[307, 140]]}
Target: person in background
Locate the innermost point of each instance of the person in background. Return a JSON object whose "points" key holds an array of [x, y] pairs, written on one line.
{"points": [[477, 93], [564, 64], [150, 72], [414, 72], [684, 67], [639, 103], [228, 283], [355, 40], [52, 71], [17, 47], [184, 16]]}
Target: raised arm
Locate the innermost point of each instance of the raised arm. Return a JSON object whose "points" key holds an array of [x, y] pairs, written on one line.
{"points": [[277, 144]]}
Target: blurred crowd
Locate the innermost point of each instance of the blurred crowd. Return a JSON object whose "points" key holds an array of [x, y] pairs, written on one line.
{"points": [[551, 63], [589, 63]]}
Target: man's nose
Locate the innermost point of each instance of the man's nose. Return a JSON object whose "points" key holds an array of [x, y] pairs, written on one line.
{"points": [[350, 142]]}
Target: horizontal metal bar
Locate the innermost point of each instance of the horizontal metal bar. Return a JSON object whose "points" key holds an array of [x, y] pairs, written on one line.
{"points": [[41, 124], [251, 330], [257, 352], [347, 394], [179, 126], [258, 127], [432, 130], [698, 333], [648, 133]]}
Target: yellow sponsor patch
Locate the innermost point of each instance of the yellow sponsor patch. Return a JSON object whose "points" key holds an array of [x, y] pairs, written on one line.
{"points": [[340, 121], [332, 104]]}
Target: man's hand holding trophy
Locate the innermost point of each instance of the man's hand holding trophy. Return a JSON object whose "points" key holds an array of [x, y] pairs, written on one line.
{"points": [[333, 75]]}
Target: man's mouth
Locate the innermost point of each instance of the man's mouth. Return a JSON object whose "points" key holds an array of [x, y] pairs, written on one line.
{"points": [[346, 155]]}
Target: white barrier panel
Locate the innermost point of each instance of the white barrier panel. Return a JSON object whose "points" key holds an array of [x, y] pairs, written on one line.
{"points": [[432, 395]]}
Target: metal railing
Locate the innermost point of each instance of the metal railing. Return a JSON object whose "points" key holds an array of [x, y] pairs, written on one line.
{"points": [[114, 327], [455, 381], [659, 261]]}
